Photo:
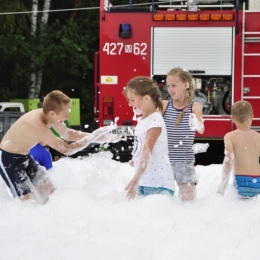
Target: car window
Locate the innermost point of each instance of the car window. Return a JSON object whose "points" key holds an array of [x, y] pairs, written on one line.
{"points": [[12, 109], [1, 125], [11, 121]]}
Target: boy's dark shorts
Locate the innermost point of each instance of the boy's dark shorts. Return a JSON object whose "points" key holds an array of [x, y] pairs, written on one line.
{"points": [[21, 173]]}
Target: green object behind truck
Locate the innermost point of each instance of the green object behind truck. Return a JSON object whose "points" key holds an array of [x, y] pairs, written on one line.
{"points": [[74, 117]]}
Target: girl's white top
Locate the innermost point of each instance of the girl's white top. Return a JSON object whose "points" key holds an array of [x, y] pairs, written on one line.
{"points": [[158, 172]]}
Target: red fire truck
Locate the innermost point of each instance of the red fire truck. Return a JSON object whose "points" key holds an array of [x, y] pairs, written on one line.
{"points": [[218, 43]]}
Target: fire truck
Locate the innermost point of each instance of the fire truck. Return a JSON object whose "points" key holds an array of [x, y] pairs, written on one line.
{"points": [[219, 43]]}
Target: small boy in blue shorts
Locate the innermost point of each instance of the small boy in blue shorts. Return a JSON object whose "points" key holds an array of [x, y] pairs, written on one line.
{"points": [[242, 150]]}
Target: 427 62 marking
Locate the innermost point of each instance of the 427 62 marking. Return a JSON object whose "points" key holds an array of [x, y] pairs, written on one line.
{"points": [[117, 48]]}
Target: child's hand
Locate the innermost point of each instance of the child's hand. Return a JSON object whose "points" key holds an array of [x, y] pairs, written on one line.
{"points": [[131, 188], [131, 163], [195, 124], [220, 190], [103, 135], [111, 138]]}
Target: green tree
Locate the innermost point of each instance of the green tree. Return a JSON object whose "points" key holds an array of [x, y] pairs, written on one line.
{"points": [[15, 51], [64, 50], [68, 55]]}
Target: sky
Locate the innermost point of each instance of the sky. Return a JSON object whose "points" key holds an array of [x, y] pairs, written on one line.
{"points": [[89, 217]]}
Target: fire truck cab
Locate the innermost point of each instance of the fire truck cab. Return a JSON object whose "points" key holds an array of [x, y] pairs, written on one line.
{"points": [[218, 43]]}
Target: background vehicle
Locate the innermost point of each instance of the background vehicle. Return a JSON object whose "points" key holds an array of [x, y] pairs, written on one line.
{"points": [[11, 106], [9, 113], [7, 118], [218, 44]]}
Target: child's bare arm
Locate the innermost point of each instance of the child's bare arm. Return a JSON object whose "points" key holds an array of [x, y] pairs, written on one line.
{"points": [[131, 163], [151, 138], [165, 104], [196, 120], [69, 134], [228, 164], [100, 135]]}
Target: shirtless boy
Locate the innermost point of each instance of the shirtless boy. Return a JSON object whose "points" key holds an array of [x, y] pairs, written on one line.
{"points": [[22, 174], [242, 150]]}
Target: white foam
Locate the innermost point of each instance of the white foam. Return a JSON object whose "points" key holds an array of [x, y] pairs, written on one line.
{"points": [[89, 217], [200, 147]]}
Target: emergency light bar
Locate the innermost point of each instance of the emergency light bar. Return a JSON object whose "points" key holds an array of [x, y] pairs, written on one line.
{"points": [[193, 17]]}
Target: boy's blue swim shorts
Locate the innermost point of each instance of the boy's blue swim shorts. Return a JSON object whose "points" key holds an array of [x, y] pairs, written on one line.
{"points": [[247, 186]]}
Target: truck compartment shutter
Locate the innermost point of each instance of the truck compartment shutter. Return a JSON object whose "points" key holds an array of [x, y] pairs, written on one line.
{"points": [[206, 49], [254, 5]]}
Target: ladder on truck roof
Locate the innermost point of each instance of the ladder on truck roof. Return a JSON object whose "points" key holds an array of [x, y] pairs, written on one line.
{"points": [[247, 38]]}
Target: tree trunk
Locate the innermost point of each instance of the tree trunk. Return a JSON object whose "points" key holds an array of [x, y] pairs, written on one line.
{"points": [[34, 17], [44, 20], [33, 32], [76, 4], [45, 15], [38, 84]]}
